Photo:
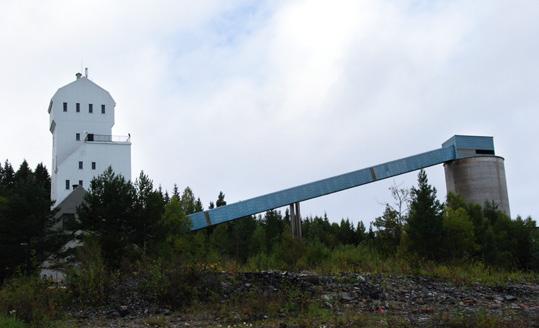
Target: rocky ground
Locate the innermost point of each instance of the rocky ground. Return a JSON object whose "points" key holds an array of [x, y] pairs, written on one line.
{"points": [[282, 299]]}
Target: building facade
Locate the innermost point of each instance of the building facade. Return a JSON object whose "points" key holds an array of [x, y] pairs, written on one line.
{"points": [[81, 120]]}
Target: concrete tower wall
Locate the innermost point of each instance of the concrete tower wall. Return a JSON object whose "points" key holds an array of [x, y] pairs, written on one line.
{"points": [[81, 121], [478, 179]]}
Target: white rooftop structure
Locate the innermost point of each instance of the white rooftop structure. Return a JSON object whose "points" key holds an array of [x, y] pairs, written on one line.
{"points": [[81, 121]]}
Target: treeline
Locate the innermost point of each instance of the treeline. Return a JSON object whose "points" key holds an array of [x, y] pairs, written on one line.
{"points": [[130, 222], [140, 220], [25, 215]]}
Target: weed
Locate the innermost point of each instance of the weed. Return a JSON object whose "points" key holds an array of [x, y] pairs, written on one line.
{"points": [[156, 321], [90, 281], [32, 300], [11, 322]]}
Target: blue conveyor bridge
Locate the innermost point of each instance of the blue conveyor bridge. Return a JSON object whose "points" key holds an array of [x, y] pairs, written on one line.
{"points": [[457, 147]]}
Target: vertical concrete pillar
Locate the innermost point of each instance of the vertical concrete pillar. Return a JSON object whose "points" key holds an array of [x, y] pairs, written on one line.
{"points": [[295, 220], [292, 215], [298, 222]]}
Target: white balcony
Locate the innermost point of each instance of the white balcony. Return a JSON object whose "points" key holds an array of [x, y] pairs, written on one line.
{"points": [[105, 138]]}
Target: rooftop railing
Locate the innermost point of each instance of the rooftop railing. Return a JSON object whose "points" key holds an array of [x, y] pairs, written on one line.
{"points": [[91, 137]]}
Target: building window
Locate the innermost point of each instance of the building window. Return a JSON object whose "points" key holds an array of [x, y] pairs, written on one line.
{"points": [[77, 136], [65, 107], [78, 107], [93, 165], [90, 108], [80, 183], [80, 165], [67, 184], [102, 109]]}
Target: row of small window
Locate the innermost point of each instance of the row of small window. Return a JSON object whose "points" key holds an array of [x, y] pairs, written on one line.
{"points": [[81, 165], [68, 184], [90, 108]]}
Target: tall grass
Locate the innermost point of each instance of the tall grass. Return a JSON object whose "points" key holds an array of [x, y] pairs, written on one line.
{"points": [[363, 259], [90, 280], [10, 322], [32, 300]]}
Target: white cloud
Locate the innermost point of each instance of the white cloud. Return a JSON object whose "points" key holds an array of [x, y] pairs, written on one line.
{"points": [[253, 97]]}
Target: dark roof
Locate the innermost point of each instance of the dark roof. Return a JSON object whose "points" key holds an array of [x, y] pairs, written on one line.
{"points": [[71, 202]]}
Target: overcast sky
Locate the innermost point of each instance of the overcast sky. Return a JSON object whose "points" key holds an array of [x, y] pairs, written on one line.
{"points": [[251, 97]]}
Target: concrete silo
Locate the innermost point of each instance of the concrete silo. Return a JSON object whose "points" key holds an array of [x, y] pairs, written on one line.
{"points": [[478, 175]]}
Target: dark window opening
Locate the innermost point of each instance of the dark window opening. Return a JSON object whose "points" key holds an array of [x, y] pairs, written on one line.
{"points": [[77, 136], [93, 165], [80, 183], [80, 165], [484, 152], [102, 109], [67, 184], [77, 107], [90, 137], [65, 107], [90, 108]]}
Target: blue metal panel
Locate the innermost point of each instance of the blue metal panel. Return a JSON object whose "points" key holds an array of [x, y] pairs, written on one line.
{"points": [[467, 146], [338, 183]]}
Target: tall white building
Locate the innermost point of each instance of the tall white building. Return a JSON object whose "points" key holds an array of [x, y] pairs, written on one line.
{"points": [[81, 120]]}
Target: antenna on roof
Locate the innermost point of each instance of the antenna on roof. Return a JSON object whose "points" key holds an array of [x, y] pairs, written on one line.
{"points": [[86, 72]]}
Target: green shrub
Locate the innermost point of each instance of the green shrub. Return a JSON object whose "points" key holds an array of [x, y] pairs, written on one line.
{"points": [[173, 284], [154, 281], [10, 322], [315, 254], [90, 281], [288, 251], [259, 262], [32, 300]]}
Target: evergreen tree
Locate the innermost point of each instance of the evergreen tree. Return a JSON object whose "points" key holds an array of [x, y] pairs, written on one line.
{"points": [[220, 200], [424, 225], [458, 234], [523, 233], [198, 205], [241, 233], [7, 177], [360, 233], [188, 201], [388, 231], [108, 211], [176, 229], [346, 234], [42, 177], [274, 226], [148, 210], [24, 216], [175, 191]]}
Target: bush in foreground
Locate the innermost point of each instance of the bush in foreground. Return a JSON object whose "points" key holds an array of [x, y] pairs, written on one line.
{"points": [[32, 300]]}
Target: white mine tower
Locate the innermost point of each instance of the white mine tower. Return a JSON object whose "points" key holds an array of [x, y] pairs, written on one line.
{"points": [[81, 121]]}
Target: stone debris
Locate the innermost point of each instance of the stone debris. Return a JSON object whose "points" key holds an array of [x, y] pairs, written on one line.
{"points": [[418, 299]]}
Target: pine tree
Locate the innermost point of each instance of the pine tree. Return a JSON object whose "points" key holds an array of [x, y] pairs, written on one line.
{"points": [[346, 234], [24, 216], [188, 201], [360, 233], [198, 205], [7, 177], [220, 200], [388, 231], [424, 225], [148, 209], [108, 211]]}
